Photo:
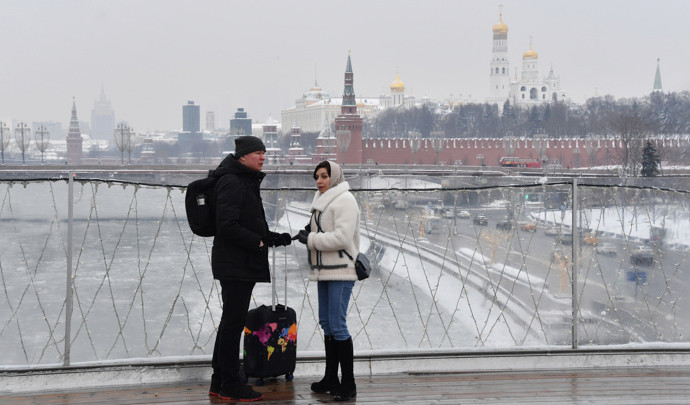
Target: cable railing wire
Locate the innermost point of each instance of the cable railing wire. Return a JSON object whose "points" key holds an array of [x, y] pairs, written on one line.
{"points": [[143, 286]]}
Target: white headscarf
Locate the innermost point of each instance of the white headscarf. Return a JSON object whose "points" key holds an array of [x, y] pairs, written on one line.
{"points": [[336, 174]]}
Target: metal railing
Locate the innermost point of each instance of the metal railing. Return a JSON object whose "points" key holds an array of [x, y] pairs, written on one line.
{"points": [[95, 268]]}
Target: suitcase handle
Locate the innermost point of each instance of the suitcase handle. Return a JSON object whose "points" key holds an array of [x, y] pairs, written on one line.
{"points": [[274, 293]]}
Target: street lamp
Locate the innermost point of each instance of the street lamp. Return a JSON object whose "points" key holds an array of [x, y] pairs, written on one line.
{"points": [[343, 136], [415, 142], [42, 138], [437, 142], [4, 139], [22, 134], [122, 135], [131, 143]]}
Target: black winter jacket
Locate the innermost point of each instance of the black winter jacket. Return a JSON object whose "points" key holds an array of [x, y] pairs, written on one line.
{"points": [[240, 225]]}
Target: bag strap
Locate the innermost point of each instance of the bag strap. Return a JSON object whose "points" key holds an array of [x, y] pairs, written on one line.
{"points": [[321, 230], [347, 254]]}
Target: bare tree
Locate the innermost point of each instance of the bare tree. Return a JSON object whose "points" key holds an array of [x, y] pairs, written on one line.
{"points": [[630, 129]]}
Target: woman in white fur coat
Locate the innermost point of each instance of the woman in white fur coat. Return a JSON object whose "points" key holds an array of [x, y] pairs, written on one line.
{"points": [[333, 230]]}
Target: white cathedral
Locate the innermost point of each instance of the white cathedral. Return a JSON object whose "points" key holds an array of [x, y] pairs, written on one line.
{"points": [[526, 90]]}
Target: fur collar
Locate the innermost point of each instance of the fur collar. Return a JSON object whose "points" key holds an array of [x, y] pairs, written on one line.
{"points": [[321, 201]]}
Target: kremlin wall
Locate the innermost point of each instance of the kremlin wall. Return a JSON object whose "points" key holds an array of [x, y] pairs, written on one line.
{"points": [[317, 109]]}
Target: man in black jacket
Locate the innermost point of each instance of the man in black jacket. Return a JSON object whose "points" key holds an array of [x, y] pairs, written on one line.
{"points": [[239, 259]]}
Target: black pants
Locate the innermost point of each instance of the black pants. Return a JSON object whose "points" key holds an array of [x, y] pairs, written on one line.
{"points": [[226, 351]]}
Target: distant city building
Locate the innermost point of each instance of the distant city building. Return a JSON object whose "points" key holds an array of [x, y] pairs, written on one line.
{"points": [[210, 121], [326, 145], [74, 139], [54, 128], [191, 118], [311, 110], [397, 96], [316, 106], [296, 154], [657, 78], [191, 127], [528, 88], [270, 138], [102, 118], [240, 125]]}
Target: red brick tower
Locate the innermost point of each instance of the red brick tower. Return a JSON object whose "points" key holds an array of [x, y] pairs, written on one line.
{"points": [[349, 123]]}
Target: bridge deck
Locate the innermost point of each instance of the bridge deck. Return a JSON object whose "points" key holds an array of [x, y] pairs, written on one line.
{"points": [[668, 385]]}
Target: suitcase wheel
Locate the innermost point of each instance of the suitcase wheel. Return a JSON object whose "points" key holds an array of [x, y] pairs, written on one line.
{"points": [[259, 381], [289, 376]]}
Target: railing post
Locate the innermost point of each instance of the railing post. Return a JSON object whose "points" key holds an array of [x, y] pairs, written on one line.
{"points": [[573, 262], [69, 284]]}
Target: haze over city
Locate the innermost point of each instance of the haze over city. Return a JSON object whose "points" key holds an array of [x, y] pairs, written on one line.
{"points": [[151, 57]]}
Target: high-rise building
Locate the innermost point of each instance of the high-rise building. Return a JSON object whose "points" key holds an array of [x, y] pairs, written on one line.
{"points": [[210, 121], [191, 118], [102, 118], [74, 139], [241, 125]]}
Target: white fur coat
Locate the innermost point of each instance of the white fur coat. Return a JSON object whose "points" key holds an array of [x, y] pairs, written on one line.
{"points": [[334, 228]]}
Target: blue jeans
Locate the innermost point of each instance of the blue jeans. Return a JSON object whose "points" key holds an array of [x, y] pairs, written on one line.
{"points": [[334, 297]]}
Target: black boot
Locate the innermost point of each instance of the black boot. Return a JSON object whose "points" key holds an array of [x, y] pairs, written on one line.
{"points": [[330, 379], [347, 389]]}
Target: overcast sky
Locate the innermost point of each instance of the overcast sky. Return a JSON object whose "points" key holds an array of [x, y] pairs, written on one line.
{"points": [[152, 56]]}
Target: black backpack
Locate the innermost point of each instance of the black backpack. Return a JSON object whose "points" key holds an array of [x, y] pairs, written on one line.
{"points": [[200, 204]]}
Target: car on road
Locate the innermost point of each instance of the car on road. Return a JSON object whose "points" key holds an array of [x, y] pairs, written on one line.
{"points": [[551, 230], [642, 255], [464, 214], [480, 219], [528, 226], [606, 249], [432, 224], [565, 239], [401, 205], [448, 213], [504, 224]]}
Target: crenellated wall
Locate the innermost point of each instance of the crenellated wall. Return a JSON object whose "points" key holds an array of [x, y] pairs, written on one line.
{"points": [[569, 152]]}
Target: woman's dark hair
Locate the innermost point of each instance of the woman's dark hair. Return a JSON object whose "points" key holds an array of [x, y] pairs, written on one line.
{"points": [[323, 164]]}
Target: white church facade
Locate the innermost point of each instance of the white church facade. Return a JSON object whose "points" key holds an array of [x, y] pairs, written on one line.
{"points": [[526, 89]]}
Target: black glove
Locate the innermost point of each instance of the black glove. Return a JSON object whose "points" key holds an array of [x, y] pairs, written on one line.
{"points": [[278, 239], [282, 239], [302, 236]]}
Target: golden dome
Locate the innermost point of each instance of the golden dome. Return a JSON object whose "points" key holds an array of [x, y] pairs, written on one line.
{"points": [[531, 54], [500, 28], [397, 84]]}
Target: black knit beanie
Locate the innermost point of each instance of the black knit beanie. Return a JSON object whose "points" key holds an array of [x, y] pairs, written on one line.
{"points": [[247, 144]]}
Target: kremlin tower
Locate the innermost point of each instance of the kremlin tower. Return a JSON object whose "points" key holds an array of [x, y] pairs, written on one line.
{"points": [[74, 139], [348, 125]]}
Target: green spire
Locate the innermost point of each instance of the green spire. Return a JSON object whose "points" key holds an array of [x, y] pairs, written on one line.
{"points": [[349, 91], [657, 78]]}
